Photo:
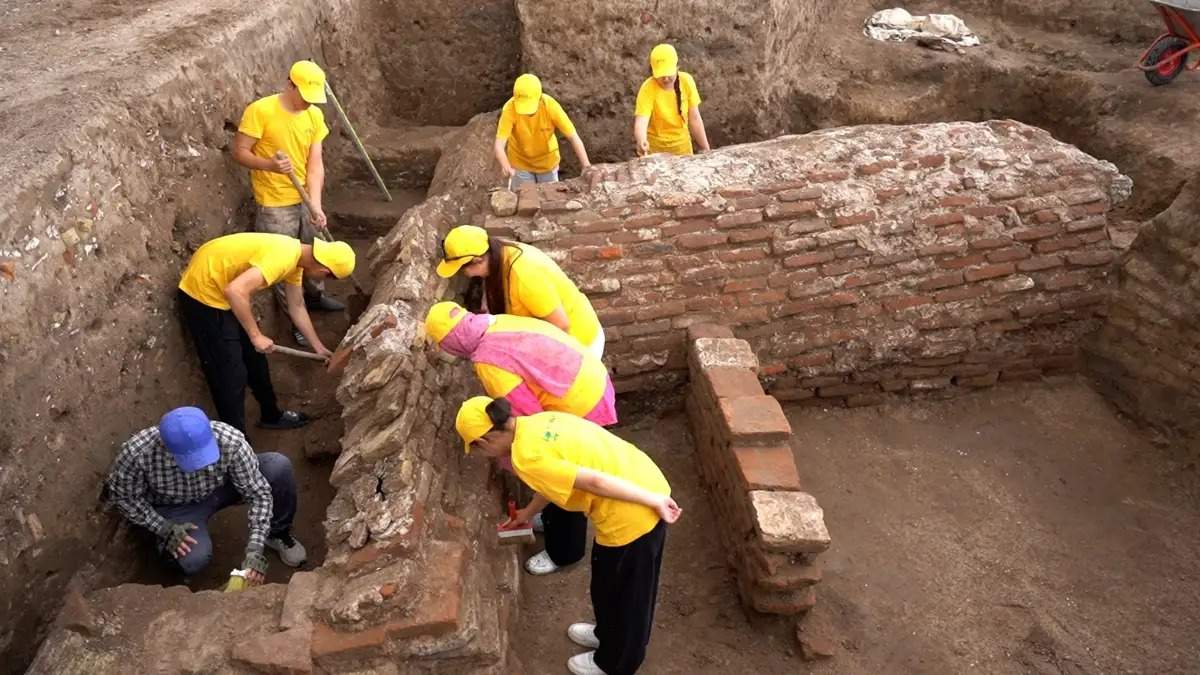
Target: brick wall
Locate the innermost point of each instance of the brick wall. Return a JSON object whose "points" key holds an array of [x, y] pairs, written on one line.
{"points": [[772, 531], [1146, 356], [856, 261]]}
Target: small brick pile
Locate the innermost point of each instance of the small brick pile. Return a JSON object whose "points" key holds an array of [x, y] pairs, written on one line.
{"points": [[772, 531], [856, 261]]}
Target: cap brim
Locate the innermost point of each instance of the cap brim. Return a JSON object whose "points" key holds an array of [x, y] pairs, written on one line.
{"points": [[666, 70], [199, 459], [525, 106], [448, 268], [314, 94]]}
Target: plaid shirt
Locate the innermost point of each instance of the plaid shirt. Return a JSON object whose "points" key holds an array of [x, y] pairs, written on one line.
{"points": [[145, 474]]}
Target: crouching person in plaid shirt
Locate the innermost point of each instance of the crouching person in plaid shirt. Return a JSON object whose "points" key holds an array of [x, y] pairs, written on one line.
{"points": [[170, 479]]}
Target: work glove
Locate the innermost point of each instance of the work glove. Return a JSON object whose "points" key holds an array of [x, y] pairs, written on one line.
{"points": [[174, 533], [255, 561]]}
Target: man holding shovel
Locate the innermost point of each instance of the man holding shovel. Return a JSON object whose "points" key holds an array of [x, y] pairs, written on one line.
{"points": [[214, 295], [280, 137]]}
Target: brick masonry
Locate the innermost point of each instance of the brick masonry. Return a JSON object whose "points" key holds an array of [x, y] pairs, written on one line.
{"points": [[771, 530], [855, 262]]}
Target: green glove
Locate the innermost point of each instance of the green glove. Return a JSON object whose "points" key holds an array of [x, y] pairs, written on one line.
{"points": [[255, 561], [174, 534]]}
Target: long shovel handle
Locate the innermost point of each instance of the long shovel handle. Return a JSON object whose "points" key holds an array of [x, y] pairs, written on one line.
{"points": [[312, 356], [321, 229]]}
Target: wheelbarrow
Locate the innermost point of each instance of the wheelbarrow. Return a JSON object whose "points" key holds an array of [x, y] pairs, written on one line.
{"points": [[1167, 56]]}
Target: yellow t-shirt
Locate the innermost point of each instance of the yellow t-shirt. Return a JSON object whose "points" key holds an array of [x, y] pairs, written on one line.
{"points": [[277, 128], [668, 130], [223, 259], [535, 286], [550, 447], [532, 145], [585, 392]]}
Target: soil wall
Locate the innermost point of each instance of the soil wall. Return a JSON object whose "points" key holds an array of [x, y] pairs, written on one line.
{"points": [[1147, 355]]}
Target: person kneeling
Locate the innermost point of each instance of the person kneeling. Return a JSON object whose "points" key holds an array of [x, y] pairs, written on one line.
{"points": [[580, 466], [172, 478]]}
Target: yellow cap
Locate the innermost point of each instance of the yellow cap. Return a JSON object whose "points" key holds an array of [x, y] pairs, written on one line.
{"points": [[527, 94], [664, 61], [310, 80], [461, 245], [472, 421], [442, 318], [336, 255]]}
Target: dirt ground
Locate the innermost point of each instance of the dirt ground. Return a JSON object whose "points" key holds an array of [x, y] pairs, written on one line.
{"points": [[1025, 529], [1022, 529]]}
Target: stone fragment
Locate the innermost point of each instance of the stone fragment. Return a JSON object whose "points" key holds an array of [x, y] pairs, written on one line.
{"points": [[286, 653], [77, 615], [504, 203], [789, 522], [710, 352], [528, 202], [301, 594]]}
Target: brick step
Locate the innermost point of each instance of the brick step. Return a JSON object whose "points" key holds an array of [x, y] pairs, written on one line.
{"points": [[359, 210], [404, 156]]}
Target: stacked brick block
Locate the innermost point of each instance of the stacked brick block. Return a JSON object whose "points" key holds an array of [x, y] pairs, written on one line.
{"points": [[1147, 356], [857, 262], [772, 531]]}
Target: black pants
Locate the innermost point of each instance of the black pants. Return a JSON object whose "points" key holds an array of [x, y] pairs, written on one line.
{"points": [[565, 534], [624, 589], [229, 362]]}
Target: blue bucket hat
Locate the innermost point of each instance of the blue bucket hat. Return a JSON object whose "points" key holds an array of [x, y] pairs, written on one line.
{"points": [[188, 434]]}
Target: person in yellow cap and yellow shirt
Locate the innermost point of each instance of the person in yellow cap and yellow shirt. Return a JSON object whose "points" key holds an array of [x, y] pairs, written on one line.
{"points": [[526, 145], [580, 466], [288, 121], [667, 114], [214, 296], [535, 367], [522, 280]]}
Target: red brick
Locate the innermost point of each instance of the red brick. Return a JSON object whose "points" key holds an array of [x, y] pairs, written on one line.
{"points": [[646, 328], [738, 285], [989, 271], [696, 211], [941, 219], [864, 279], [987, 211], [739, 219], [744, 254], [732, 191], [1061, 280], [1090, 258], [707, 330], [1057, 244], [1034, 233], [964, 261], [1010, 254], [888, 194], [662, 311], [941, 281], [744, 236], [701, 240], [749, 269], [957, 248], [800, 194], [616, 317], [601, 225], [754, 420], [808, 259], [993, 242], [840, 390], [960, 293], [1045, 216], [854, 219], [1039, 263], [789, 210], [528, 202], [767, 468], [901, 302], [672, 229], [828, 176], [751, 298], [956, 200], [730, 382], [931, 161], [843, 266]]}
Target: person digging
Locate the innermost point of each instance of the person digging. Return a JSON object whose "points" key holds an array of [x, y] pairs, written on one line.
{"points": [[172, 478], [214, 297], [291, 122]]}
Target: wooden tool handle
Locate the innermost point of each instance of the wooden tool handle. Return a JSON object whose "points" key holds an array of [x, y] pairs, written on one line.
{"points": [[280, 349], [324, 231]]}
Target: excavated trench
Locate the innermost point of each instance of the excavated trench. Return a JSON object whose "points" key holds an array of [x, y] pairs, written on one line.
{"points": [[99, 353]]}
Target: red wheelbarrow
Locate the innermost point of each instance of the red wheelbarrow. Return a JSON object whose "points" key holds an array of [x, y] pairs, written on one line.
{"points": [[1167, 56]]}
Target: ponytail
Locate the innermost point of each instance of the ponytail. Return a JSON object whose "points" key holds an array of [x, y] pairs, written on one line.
{"points": [[499, 411], [679, 96]]}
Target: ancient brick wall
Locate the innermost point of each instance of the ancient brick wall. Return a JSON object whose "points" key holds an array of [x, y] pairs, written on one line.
{"points": [[1146, 356], [771, 530], [856, 261]]}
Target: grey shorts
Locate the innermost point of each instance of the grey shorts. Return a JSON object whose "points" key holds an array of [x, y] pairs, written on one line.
{"points": [[522, 177], [292, 221]]}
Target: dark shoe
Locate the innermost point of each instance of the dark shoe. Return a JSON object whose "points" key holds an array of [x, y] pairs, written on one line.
{"points": [[324, 303], [290, 419], [300, 339]]}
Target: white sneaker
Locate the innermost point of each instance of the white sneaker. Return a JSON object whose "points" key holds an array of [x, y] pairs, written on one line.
{"points": [[538, 525], [540, 564], [291, 552], [583, 634], [584, 664]]}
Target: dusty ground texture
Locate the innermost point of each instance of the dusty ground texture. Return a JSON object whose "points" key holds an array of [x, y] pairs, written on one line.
{"points": [[1025, 529]]}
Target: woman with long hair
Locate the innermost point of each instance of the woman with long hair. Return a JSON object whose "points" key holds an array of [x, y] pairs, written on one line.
{"points": [[667, 114]]}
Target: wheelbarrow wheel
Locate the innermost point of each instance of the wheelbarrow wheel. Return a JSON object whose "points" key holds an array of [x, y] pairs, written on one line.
{"points": [[1166, 66]]}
